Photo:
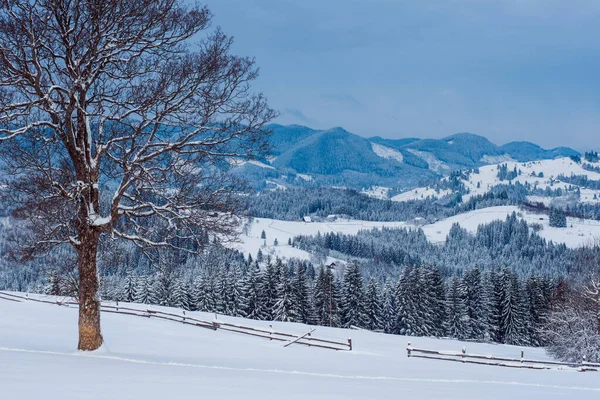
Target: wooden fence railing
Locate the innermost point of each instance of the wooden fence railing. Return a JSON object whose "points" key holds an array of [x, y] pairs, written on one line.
{"points": [[522, 362], [305, 339]]}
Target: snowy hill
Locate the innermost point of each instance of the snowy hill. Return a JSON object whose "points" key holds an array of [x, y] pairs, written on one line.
{"points": [[541, 174], [154, 359], [578, 232]]}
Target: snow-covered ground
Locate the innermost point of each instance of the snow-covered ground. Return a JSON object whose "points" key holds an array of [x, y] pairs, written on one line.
{"points": [[480, 183], [577, 233], [154, 359], [421, 194], [378, 192], [250, 240], [387, 152]]}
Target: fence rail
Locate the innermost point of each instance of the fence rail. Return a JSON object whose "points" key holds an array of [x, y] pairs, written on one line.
{"points": [[302, 339], [522, 362]]}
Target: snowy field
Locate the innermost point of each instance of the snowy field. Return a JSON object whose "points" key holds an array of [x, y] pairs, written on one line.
{"points": [[480, 183], [153, 359], [250, 240], [577, 233]]}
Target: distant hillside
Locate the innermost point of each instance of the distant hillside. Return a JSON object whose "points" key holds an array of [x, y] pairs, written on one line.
{"points": [[303, 156], [526, 151]]}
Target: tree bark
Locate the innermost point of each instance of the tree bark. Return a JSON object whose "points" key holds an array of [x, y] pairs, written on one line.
{"points": [[90, 336]]}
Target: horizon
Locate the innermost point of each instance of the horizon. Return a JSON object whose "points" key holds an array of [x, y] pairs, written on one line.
{"points": [[502, 69], [499, 144]]}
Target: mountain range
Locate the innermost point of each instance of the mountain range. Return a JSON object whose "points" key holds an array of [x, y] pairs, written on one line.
{"points": [[303, 156]]}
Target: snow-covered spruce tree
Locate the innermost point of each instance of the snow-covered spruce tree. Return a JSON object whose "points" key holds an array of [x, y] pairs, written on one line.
{"points": [[285, 308], [144, 290], [477, 303], [372, 305], [352, 304], [513, 318], [538, 305], [326, 298], [557, 218], [129, 286], [253, 305], [407, 302], [302, 296], [180, 296], [389, 309], [272, 281], [203, 293], [107, 116], [458, 325], [434, 302]]}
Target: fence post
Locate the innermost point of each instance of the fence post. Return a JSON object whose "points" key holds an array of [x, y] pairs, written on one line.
{"points": [[350, 343], [522, 356], [271, 333], [117, 306], [408, 350], [184, 315], [464, 351], [215, 325]]}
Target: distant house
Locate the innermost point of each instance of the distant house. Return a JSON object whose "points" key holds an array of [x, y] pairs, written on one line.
{"points": [[332, 217], [307, 219]]}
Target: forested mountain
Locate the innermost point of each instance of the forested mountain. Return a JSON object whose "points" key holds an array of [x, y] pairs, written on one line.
{"points": [[336, 157]]}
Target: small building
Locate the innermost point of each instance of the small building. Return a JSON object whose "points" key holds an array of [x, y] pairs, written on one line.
{"points": [[307, 219]]}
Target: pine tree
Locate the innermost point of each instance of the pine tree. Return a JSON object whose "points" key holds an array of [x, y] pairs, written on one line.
{"points": [[477, 304], [352, 306], [285, 309], [513, 320], [259, 256], [203, 294], [373, 308], [326, 298], [129, 285], [558, 219], [458, 325], [432, 303], [252, 293], [179, 296], [389, 309], [301, 296], [144, 291], [272, 282], [162, 288], [407, 293]]}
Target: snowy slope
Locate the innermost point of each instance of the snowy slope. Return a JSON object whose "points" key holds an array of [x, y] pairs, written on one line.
{"points": [[377, 192], [421, 194], [486, 178], [153, 359], [577, 233], [250, 240]]}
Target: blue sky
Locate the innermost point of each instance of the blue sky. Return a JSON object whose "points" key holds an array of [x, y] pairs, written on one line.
{"points": [[505, 69]]}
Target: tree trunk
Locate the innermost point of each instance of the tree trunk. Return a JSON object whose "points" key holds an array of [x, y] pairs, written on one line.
{"points": [[90, 337]]}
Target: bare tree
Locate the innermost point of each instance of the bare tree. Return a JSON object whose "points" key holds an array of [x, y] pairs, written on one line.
{"points": [[592, 291], [110, 116]]}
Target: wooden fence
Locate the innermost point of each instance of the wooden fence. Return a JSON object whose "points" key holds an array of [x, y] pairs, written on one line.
{"points": [[522, 362], [305, 339]]}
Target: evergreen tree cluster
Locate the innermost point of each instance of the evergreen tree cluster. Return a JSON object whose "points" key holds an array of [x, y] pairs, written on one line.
{"points": [[383, 252], [495, 305], [558, 219]]}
